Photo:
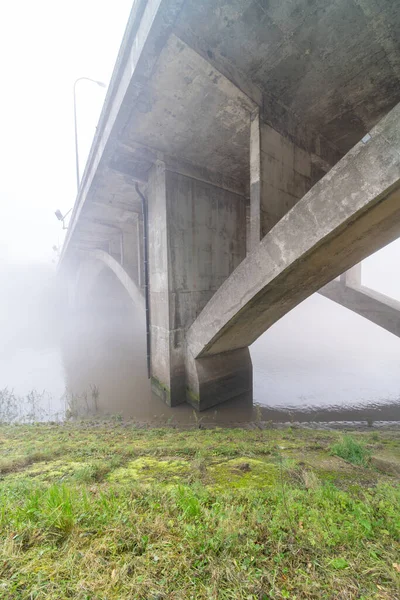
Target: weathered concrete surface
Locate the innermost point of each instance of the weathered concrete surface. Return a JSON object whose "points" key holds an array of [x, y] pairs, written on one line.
{"points": [[215, 379], [190, 75], [280, 175], [372, 305], [353, 211], [196, 240], [333, 63]]}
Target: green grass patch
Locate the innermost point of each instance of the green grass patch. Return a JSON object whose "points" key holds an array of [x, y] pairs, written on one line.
{"points": [[352, 450], [202, 514]]}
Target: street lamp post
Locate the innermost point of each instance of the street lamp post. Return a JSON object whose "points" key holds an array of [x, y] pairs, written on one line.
{"points": [[101, 84]]}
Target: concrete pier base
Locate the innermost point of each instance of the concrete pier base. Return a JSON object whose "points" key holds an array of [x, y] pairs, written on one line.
{"points": [[218, 378]]}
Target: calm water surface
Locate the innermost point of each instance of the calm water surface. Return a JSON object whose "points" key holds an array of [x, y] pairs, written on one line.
{"points": [[320, 362]]}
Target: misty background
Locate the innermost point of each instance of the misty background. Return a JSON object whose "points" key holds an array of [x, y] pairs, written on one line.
{"points": [[319, 355]]}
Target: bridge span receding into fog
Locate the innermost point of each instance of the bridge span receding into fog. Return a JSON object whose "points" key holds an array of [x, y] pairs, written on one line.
{"points": [[246, 156]]}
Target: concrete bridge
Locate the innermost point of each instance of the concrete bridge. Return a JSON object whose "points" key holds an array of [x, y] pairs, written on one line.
{"points": [[248, 153]]}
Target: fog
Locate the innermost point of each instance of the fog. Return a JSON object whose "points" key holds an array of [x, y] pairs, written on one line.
{"points": [[319, 357]]}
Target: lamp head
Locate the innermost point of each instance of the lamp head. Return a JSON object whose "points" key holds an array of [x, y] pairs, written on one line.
{"points": [[58, 214]]}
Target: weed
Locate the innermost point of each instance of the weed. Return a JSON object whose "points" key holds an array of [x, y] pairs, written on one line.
{"points": [[95, 393], [351, 450], [310, 479], [197, 419], [9, 406], [31, 408]]}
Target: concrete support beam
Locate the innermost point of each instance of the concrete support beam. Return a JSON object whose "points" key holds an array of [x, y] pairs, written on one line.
{"points": [[166, 377], [123, 277], [87, 273], [196, 240], [285, 175], [352, 277], [280, 175], [372, 305], [349, 214], [256, 182]]}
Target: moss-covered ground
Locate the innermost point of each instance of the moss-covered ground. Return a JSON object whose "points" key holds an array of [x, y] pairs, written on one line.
{"points": [[109, 511]]}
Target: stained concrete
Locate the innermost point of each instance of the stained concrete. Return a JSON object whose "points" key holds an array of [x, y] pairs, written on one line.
{"points": [[196, 240], [353, 211], [280, 175], [215, 379], [320, 73], [333, 63]]}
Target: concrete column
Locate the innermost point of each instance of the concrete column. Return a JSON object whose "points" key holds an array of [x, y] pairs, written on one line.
{"points": [[352, 277], [256, 182], [197, 237], [280, 175], [166, 382]]}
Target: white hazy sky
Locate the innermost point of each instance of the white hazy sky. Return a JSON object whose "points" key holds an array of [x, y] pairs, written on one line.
{"points": [[45, 45]]}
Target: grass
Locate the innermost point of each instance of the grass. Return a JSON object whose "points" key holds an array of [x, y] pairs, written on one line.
{"points": [[112, 512], [351, 450]]}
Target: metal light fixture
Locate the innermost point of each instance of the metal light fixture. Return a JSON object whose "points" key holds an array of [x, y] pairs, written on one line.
{"points": [[60, 216]]}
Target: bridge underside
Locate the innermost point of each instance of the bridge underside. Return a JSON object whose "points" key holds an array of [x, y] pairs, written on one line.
{"points": [[238, 120]]}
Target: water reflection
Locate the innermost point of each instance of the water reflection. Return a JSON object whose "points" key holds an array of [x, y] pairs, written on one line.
{"points": [[321, 362], [303, 370]]}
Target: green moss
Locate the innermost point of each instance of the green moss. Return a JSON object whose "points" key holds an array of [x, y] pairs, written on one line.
{"points": [[234, 473], [242, 473], [192, 397], [147, 469], [161, 390], [48, 471]]}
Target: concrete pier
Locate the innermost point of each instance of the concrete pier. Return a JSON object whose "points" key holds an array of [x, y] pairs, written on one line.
{"points": [[196, 240]]}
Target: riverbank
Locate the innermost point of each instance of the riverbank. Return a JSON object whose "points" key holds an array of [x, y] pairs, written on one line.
{"points": [[111, 511]]}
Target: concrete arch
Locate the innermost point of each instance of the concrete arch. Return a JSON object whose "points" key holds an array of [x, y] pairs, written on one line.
{"points": [[349, 214], [90, 269]]}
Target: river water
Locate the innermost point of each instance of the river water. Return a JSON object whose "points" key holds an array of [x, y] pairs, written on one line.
{"points": [[320, 362]]}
